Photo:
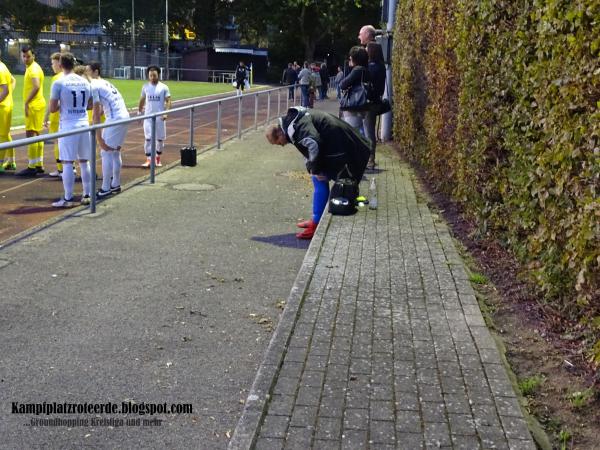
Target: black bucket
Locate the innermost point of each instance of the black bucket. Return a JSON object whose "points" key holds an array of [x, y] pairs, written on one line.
{"points": [[188, 156]]}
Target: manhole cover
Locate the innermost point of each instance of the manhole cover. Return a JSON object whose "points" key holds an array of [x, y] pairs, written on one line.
{"points": [[194, 187]]}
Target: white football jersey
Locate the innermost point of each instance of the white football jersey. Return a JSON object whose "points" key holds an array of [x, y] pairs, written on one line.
{"points": [[155, 97], [110, 98], [73, 92]]}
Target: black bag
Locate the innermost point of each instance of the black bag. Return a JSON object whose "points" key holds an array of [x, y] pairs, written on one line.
{"points": [[356, 98], [342, 198], [381, 107], [188, 156]]}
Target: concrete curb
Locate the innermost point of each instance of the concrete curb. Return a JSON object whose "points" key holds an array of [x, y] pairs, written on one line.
{"points": [[246, 431]]}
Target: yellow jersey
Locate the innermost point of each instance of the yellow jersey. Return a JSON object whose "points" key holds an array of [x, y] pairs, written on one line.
{"points": [[55, 116], [34, 71], [6, 78]]}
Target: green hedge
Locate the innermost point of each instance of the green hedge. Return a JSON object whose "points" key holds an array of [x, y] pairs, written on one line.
{"points": [[500, 101]]}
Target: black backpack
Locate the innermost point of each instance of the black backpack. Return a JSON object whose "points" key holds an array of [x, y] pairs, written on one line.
{"points": [[342, 198]]}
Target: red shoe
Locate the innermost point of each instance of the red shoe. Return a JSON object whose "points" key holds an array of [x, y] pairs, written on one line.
{"points": [[305, 224], [308, 232]]}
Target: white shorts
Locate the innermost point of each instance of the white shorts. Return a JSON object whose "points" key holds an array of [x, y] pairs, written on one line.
{"points": [[161, 129], [114, 136], [76, 146]]}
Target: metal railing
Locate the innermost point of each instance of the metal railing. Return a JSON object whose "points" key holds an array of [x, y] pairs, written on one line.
{"points": [[191, 108]]}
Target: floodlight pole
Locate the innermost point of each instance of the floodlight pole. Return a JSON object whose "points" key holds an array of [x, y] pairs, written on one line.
{"points": [[167, 38], [132, 75]]}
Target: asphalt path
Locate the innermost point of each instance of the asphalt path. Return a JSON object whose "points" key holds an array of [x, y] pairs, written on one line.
{"points": [[168, 294], [26, 202]]}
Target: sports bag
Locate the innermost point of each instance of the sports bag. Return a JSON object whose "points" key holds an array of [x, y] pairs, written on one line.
{"points": [[342, 198]]}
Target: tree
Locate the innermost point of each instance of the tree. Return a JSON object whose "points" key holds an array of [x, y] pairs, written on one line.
{"points": [[29, 16]]}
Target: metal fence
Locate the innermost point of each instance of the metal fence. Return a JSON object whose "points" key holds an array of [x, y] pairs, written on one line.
{"points": [[279, 92]]}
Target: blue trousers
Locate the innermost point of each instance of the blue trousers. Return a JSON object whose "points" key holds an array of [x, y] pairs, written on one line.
{"points": [[320, 197]]}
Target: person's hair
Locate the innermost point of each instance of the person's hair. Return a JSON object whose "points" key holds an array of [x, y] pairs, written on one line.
{"points": [[55, 56], [306, 64], [370, 29], [272, 132], [27, 48], [67, 61], [375, 52], [151, 68], [79, 69], [95, 65], [359, 56]]}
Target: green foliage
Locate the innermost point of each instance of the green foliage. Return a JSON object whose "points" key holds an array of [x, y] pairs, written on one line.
{"points": [[581, 399], [478, 278], [530, 385], [29, 16], [500, 101], [564, 438]]}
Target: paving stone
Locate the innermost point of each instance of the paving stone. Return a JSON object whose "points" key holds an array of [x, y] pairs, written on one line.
{"points": [[381, 392], [312, 378], [407, 401], [501, 387], [457, 404], [382, 410], [433, 412], [286, 386], [460, 442], [274, 427], [515, 444], [291, 370], [329, 428], [508, 406], [308, 396], [515, 428], [298, 438], [437, 435], [354, 439], [382, 432], [320, 444], [412, 441], [304, 416], [360, 366], [281, 405], [269, 444], [452, 385], [430, 393], [332, 406], [408, 422], [492, 438], [485, 415], [462, 424]]}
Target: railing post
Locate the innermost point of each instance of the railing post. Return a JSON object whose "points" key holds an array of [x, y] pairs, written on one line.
{"points": [[239, 117], [278, 102], [268, 106], [287, 100], [93, 172], [219, 125], [153, 151], [192, 128], [256, 111]]}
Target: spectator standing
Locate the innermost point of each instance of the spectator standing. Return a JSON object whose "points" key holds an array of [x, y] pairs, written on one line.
{"points": [[289, 78], [377, 75], [366, 34], [338, 78], [359, 74], [304, 81], [324, 73], [316, 81]]}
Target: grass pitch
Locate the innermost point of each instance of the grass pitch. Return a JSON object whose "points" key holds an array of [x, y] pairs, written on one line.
{"points": [[130, 89]]}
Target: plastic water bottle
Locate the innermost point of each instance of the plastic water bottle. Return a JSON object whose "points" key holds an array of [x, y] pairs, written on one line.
{"points": [[372, 194]]}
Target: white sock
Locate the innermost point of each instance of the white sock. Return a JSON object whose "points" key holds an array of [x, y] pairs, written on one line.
{"points": [[68, 179], [117, 163], [160, 146], [86, 177], [107, 169]]}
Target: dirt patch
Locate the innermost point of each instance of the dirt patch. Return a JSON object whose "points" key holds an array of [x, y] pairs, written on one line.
{"points": [[542, 347]]}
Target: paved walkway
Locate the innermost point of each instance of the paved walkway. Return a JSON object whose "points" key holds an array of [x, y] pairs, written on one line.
{"points": [[382, 343]]}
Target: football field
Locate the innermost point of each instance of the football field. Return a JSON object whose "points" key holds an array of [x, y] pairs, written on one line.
{"points": [[130, 89]]}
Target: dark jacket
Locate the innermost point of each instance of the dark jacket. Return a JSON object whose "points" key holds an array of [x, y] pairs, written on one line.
{"points": [[289, 76], [241, 73], [377, 76], [324, 73], [354, 78], [327, 143]]}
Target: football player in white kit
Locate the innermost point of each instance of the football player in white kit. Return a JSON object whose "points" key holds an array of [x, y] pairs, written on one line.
{"points": [[108, 99], [71, 95], [155, 98]]}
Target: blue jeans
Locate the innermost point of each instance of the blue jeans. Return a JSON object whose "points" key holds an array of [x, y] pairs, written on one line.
{"points": [[304, 92]]}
